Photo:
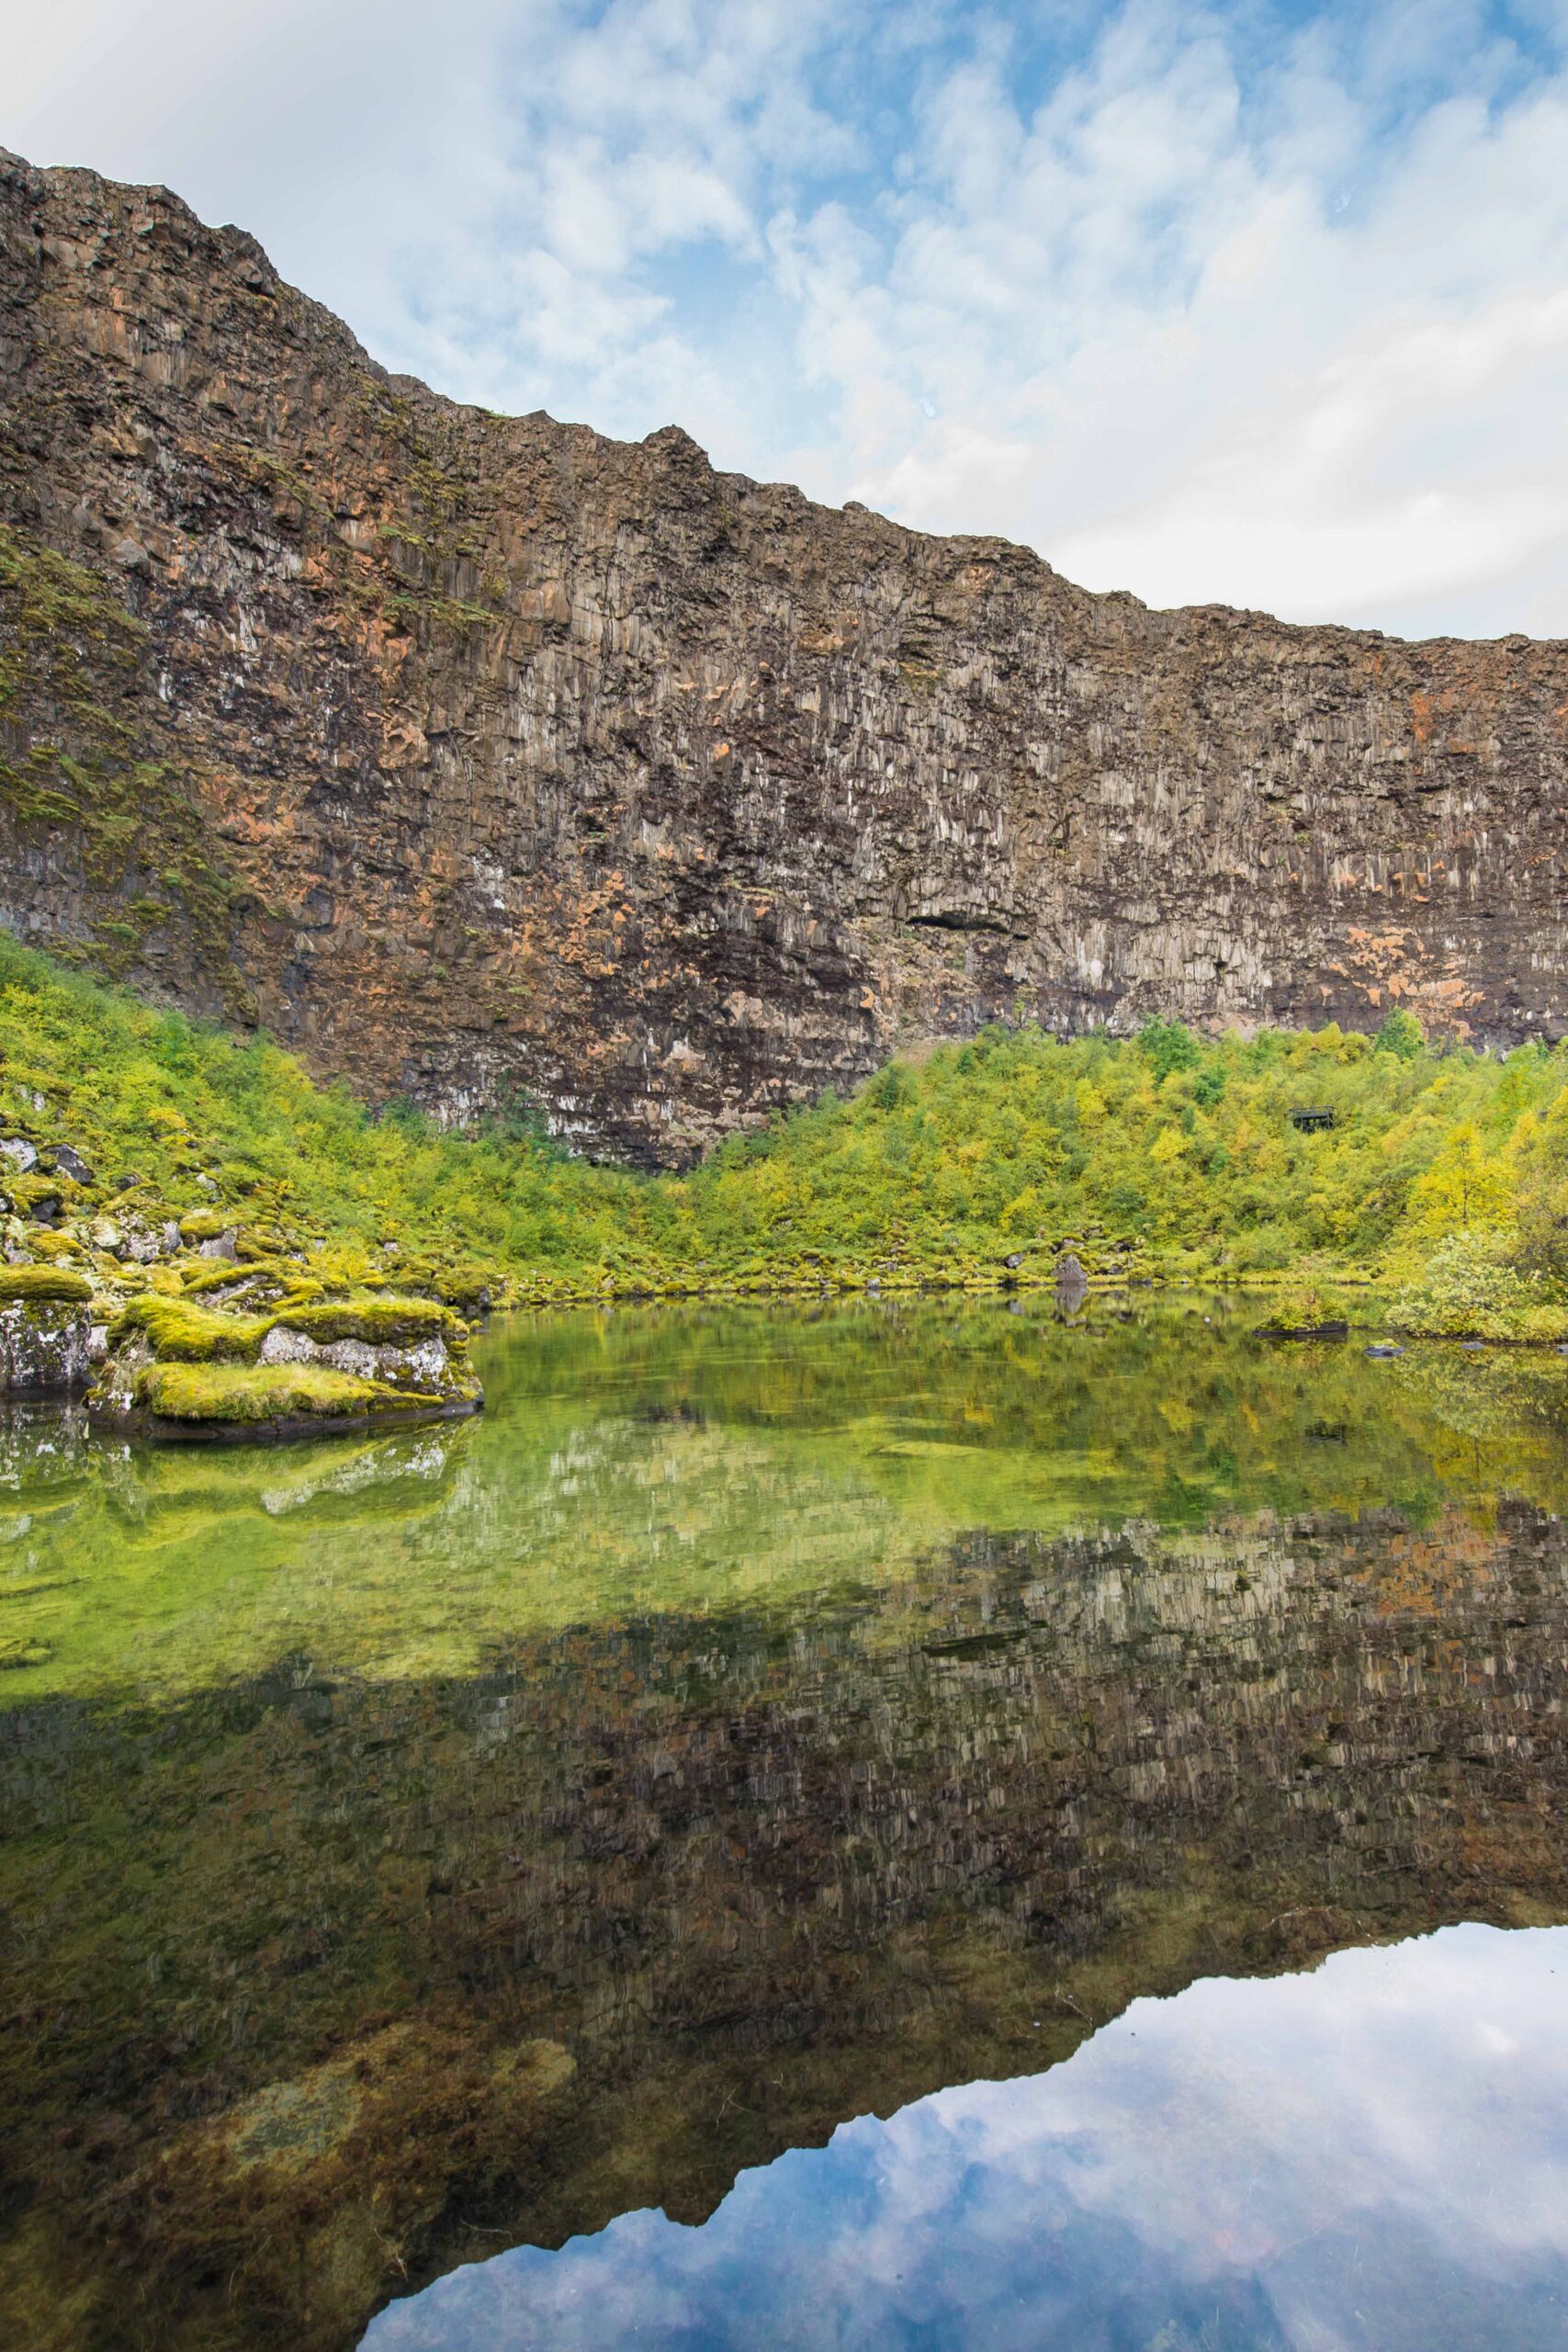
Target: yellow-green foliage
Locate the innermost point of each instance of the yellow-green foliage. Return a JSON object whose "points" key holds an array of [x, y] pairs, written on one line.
{"points": [[42, 1282], [1470, 1286], [1159, 1153], [1017, 1141], [262, 1392]]}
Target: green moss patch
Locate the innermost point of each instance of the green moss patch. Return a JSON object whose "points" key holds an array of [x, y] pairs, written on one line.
{"points": [[384, 1322], [180, 1332], [27, 1192], [206, 1225], [248, 1394], [43, 1282], [224, 1274]]}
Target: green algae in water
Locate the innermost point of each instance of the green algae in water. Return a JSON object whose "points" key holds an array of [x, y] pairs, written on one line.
{"points": [[413, 1846], [671, 1459]]}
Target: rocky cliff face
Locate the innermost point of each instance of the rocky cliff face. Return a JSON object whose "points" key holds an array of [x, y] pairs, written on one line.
{"points": [[476, 755]]}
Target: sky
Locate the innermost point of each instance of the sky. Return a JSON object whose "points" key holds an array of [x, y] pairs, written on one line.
{"points": [[1374, 2153], [1260, 303]]}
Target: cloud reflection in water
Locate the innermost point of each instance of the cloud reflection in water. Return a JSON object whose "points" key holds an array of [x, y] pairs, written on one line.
{"points": [[1369, 2158]]}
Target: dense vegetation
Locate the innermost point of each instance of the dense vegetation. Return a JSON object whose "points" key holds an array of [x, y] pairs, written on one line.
{"points": [[1444, 1170]]}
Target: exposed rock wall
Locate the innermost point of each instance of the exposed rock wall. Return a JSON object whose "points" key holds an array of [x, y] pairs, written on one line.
{"points": [[474, 754]]}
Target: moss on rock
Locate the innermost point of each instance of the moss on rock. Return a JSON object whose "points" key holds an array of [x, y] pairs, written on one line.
{"points": [[43, 1282], [380, 1321], [32, 1192], [250, 1394], [206, 1225], [178, 1331]]}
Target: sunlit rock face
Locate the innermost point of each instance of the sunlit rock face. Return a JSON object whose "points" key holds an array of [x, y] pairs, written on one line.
{"points": [[475, 754]]}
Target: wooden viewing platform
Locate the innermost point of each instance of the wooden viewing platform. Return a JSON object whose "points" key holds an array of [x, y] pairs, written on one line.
{"points": [[1312, 1122]]}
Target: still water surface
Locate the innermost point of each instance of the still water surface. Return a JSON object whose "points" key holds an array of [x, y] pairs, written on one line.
{"points": [[1372, 2156], [523, 1836]]}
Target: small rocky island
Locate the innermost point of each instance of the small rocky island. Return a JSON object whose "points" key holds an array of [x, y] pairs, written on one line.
{"points": [[210, 1323]]}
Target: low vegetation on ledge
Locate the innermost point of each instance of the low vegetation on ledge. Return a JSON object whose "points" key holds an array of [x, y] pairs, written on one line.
{"points": [[224, 1211]]}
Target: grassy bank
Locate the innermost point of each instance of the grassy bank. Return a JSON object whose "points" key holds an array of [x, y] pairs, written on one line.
{"points": [[1444, 1173]]}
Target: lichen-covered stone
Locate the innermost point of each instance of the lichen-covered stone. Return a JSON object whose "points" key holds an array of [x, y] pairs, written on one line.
{"points": [[46, 1345], [425, 1364], [382, 1319]]}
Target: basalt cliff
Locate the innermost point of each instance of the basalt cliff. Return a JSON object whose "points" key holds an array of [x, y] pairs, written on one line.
{"points": [[477, 756]]}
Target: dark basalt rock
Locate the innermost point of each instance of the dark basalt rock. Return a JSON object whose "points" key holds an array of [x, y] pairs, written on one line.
{"points": [[65, 1161], [475, 754]]}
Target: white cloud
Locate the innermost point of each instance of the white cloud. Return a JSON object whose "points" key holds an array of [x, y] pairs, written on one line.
{"points": [[1382, 2138], [1219, 309]]}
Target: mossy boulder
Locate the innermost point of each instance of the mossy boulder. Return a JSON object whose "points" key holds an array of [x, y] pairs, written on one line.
{"points": [[43, 1282], [219, 1273], [313, 1364], [206, 1225], [40, 1197], [179, 1331], [470, 1289], [380, 1321], [268, 1400]]}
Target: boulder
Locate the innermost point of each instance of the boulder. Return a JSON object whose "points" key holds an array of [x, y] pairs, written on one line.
{"points": [[45, 1346], [1072, 1282], [193, 1371], [64, 1162]]}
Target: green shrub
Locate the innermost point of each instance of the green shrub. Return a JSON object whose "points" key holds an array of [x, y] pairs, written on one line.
{"points": [[1469, 1288], [1009, 1143]]}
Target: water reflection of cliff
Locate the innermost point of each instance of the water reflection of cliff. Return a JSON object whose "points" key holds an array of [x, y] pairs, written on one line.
{"points": [[696, 1461], [318, 1986]]}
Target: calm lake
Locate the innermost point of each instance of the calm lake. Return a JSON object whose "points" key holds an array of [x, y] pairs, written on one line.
{"points": [[934, 1826]]}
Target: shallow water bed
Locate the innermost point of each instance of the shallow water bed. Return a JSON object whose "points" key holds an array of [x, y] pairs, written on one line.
{"points": [[415, 1848]]}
